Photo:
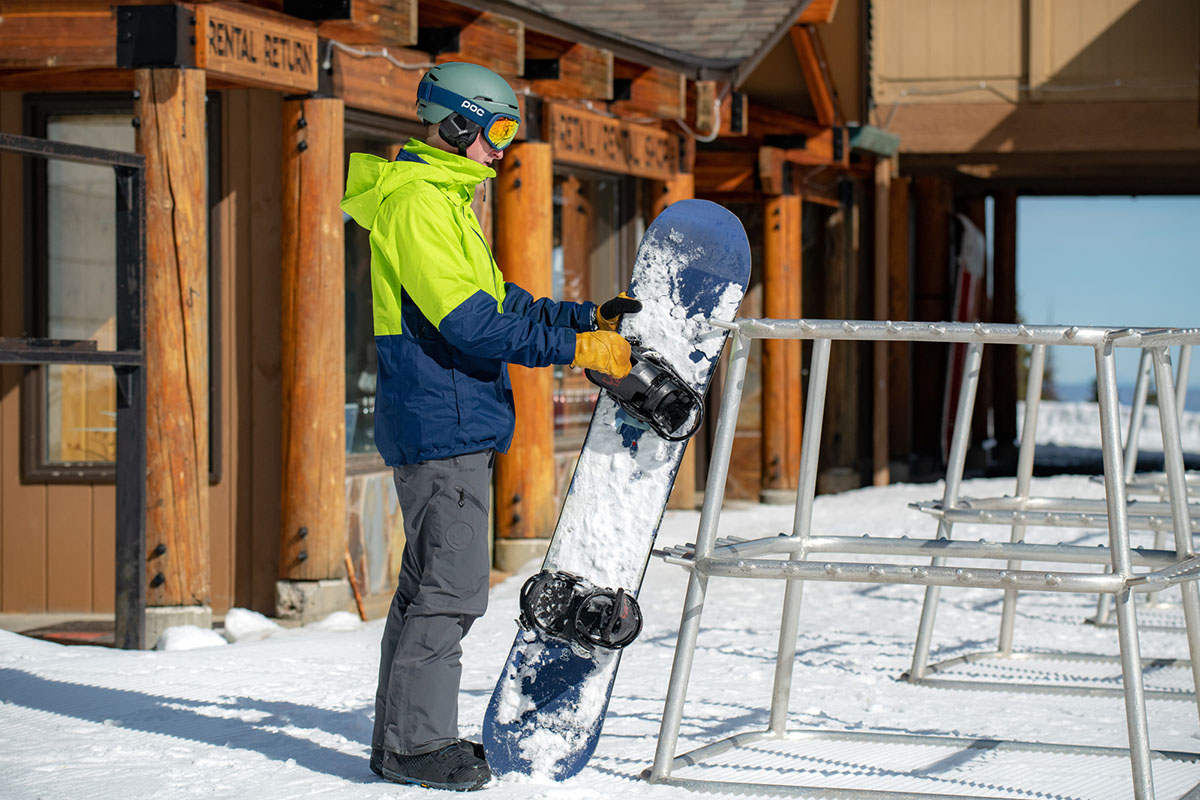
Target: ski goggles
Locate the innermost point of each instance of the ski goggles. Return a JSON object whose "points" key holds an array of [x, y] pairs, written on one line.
{"points": [[499, 128]]}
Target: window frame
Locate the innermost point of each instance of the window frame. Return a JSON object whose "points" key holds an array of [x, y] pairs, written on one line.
{"points": [[36, 112]]}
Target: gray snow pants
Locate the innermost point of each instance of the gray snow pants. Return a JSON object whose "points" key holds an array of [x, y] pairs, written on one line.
{"points": [[442, 590]]}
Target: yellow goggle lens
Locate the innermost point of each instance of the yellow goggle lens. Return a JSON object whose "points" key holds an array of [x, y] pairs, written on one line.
{"points": [[502, 132]]}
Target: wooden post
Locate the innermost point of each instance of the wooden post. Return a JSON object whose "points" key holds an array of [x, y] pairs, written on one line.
{"points": [[1004, 262], [975, 208], [662, 194], [169, 110], [313, 516], [525, 497], [932, 304], [899, 308], [880, 474], [781, 415]]}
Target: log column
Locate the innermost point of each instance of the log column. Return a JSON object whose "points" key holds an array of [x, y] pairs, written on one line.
{"points": [[1004, 309], [899, 353], [934, 199], [662, 194], [781, 416], [524, 485], [169, 113], [313, 508], [880, 473]]}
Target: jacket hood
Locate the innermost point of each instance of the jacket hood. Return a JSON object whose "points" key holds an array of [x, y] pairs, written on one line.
{"points": [[370, 179]]}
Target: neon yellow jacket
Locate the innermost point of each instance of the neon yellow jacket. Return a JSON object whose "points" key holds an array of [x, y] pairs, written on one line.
{"points": [[446, 322]]}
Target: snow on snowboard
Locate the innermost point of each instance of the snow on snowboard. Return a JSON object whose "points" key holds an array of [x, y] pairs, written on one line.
{"points": [[545, 714]]}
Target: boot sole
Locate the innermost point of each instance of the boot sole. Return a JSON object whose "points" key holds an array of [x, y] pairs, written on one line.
{"points": [[396, 777]]}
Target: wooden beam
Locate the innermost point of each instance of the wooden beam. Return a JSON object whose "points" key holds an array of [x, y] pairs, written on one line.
{"points": [[773, 170], [653, 92], [389, 23], [1050, 127], [170, 134], [525, 498], [56, 35], [818, 11], [584, 72], [313, 507], [68, 79], [767, 121], [376, 84], [724, 171], [781, 414], [815, 73], [592, 140], [490, 40], [700, 114]]}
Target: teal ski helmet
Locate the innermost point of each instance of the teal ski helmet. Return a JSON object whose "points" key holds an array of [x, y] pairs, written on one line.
{"points": [[467, 99]]}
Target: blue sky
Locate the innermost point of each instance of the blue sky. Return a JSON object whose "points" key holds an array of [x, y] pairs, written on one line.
{"points": [[1111, 261]]}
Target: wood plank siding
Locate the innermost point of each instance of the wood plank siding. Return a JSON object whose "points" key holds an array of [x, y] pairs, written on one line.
{"points": [[57, 540]]}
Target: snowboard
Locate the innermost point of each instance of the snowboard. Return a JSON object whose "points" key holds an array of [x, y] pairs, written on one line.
{"points": [[549, 703]]}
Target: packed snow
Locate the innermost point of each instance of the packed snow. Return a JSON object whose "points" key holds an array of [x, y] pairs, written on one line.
{"points": [[285, 713]]}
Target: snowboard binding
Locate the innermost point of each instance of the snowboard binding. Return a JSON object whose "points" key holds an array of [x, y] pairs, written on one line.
{"points": [[652, 393], [569, 608]]}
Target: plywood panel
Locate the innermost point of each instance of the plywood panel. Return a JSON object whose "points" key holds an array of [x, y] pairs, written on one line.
{"points": [[69, 547], [1113, 49], [104, 547], [945, 49]]}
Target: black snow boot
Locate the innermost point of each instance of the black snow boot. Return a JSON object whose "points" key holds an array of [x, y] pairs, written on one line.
{"points": [[459, 767]]}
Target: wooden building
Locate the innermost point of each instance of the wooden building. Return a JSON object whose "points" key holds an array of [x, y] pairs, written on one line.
{"points": [[997, 99], [263, 482]]}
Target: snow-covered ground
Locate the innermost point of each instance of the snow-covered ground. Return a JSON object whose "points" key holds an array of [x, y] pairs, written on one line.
{"points": [[287, 713]]}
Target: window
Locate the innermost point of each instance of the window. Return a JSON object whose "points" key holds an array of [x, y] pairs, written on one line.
{"points": [[597, 225], [381, 136], [69, 410]]}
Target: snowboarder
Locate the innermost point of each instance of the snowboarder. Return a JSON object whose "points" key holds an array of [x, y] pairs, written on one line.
{"points": [[446, 326]]}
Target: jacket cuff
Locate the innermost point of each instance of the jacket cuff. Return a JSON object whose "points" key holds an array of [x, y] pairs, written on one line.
{"points": [[565, 348], [590, 311]]}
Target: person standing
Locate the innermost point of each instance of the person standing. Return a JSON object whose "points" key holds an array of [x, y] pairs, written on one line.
{"points": [[446, 325]]}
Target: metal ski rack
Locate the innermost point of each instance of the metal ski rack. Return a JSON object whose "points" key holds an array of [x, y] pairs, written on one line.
{"points": [[795, 552]]}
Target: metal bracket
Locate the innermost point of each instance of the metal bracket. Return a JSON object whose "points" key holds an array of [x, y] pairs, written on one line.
{"points": [[436, 41], [542, 69], [155, 36]]}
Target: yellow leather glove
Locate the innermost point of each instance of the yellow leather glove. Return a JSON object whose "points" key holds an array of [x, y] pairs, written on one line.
{"points": [[603, 351], [608, 315]]}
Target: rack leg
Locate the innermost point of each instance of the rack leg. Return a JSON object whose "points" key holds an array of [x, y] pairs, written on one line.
{"points": [[1118, 540], [789, 623], [954, 471], [693, 606]]}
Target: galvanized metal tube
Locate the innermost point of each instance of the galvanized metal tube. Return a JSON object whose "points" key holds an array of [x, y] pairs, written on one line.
{"points": [[1168, 416], [693, 605], [1118, 535], [932, 576], [785, 657], [1181, 378], [992, 333], [1140, 390], [954, 471], [1033, 396], [983, 549]]}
